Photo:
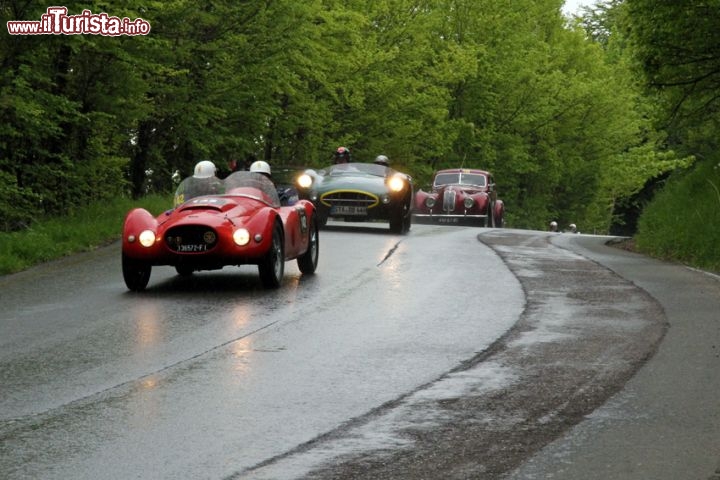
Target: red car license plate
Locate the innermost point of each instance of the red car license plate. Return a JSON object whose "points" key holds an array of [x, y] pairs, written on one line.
{"points": [[202, 247]]}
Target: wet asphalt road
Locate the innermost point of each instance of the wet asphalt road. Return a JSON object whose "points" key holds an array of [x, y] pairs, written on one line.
{"points": [[439, 354], [210, 376]]}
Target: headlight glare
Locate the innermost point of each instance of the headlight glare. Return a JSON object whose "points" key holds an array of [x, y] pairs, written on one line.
{"points": [[241, 236], [304, 181], [396, 183], [146, 238]]}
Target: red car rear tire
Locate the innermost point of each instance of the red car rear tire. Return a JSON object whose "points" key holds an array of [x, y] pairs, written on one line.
{"points": [[272, 267], [307, 262]]}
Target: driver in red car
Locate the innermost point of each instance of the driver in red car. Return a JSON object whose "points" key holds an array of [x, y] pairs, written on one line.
{"points": [[288, 194], [261, 167]]}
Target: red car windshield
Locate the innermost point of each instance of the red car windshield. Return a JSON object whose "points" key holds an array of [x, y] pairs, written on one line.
{"points": [[246, 184], [460, 178]]}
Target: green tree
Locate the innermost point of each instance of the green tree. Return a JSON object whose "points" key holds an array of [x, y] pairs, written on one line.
{"points": [[677, 45], [63, 100], [545, 110], [549, 105]]}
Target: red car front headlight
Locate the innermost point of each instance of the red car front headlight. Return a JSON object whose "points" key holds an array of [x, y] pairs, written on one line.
{"points": [[241, 237], [147, 238]]}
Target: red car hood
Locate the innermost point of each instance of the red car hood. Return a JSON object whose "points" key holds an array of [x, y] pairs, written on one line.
{"points": [[222, 207]]}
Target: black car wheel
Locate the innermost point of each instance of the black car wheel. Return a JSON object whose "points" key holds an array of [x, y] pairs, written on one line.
{"points": [[136, 273], [400, 219], [272, 266], [407, 223], [396, 222], [307, 262]]}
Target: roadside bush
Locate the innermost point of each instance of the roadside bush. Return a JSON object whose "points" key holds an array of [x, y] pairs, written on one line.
{"points": [[681, 222], [84, 229], [18, 207]]}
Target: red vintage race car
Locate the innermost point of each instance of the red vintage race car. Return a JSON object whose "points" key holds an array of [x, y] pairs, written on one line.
{"points": [[235, 221], [460, 196]]}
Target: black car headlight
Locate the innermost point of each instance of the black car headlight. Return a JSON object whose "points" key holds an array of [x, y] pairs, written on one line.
{"points": [[304, 181], [396, 183]]}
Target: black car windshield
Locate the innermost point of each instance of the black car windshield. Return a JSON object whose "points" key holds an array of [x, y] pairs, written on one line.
{"points": [[247, 184], [357, 168], [460, 178]]}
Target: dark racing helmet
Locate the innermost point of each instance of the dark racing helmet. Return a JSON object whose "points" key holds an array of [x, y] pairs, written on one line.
{"points": [[341, 155]]}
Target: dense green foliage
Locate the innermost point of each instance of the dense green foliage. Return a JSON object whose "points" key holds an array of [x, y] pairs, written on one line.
{"points": [[676, 47], [682, 221], [510, 86]]}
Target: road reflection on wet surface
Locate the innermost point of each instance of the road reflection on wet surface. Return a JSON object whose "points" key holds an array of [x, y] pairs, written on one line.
{"points": [[210, 375]]}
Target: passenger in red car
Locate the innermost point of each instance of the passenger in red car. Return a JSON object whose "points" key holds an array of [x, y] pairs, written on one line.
{"points": [[261, 167]]}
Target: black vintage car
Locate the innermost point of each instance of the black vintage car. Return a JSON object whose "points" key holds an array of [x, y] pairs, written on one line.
{"points": [[360, 191]]}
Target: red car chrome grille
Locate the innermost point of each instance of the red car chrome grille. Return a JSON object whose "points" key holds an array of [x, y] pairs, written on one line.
{"points": [[191, 239], [349, 198], [449, 200]]}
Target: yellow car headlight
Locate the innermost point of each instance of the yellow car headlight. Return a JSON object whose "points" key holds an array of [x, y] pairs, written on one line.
{"points": [[396, 183], [304, 181], [241, 237], [147, 238]]}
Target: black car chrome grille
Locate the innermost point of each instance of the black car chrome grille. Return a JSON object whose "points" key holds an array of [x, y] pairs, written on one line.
{"points": [[191, 239], [349, 198], [449, 200]]}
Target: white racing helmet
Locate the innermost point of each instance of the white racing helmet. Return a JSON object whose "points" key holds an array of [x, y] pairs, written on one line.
{"points": [[204, 169], [382, 160], [261, 167]]}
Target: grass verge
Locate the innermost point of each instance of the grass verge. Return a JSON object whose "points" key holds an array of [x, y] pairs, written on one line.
{"points": [[682, 223], [83, 230]]}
